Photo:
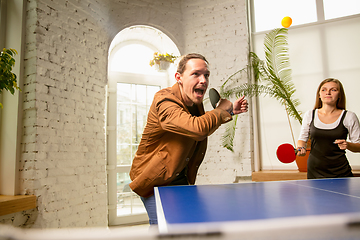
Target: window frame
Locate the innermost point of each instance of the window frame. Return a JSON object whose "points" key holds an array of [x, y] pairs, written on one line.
{"points": [[320, 11], [13, 32], [162, 80], [259, 160]]}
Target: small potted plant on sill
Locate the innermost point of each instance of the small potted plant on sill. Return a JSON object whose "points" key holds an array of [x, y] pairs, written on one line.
{"points": [[7, 77], [162, 61]]}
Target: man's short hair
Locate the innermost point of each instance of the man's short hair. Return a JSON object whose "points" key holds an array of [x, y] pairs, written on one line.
{"points": [[184, 59]]}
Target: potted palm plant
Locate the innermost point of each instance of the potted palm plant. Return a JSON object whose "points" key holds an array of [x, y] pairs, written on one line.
{"points": [[7, 77], [272, 77]]}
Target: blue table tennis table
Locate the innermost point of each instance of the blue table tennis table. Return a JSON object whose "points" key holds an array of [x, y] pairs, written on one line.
{"points": [[323, 208]]}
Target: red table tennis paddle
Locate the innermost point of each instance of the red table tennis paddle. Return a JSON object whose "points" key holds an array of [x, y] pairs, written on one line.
{"points": [[286, 153]]}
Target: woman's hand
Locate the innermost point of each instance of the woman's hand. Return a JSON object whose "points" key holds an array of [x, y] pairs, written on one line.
{"points": [[301, 151], [342, 143]]}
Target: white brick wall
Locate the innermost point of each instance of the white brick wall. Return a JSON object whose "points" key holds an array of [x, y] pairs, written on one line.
{"points": [[218, 30], [63, 147], [63, 160], [165, 15]]}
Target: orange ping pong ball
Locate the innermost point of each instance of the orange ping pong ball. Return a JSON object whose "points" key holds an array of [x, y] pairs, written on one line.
{"points": [[286, 22]]}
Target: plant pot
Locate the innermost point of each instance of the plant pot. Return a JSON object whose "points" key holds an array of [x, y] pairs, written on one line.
{"points": [[301, 161], [163, 66]]}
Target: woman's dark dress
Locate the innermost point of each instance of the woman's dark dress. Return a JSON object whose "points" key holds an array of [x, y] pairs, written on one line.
{"points": [[326, 159]]}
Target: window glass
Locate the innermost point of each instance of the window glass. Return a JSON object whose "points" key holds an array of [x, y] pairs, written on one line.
{"points": [[268, 14], [133, 103], [133, 58], [127, 202], [336, 8]]}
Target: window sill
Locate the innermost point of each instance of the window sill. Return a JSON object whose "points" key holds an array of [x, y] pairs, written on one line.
{"points": [[277, 175], [18, 203], [282, 175]]}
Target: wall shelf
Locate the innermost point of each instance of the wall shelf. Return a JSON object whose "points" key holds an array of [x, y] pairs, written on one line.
{"points": [[18, 203]]}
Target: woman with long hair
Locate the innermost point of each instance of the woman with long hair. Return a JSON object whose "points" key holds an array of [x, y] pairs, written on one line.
{"points": [[332, 129]]}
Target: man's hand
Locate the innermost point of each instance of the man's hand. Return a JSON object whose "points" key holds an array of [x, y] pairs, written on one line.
{"points": [[240, 105], [225, 105]]}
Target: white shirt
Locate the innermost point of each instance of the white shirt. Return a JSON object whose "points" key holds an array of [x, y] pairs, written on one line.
{"points": [[351, 122]]}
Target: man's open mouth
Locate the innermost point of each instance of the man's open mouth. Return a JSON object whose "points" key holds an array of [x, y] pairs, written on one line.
{"points": [[200, 91]]}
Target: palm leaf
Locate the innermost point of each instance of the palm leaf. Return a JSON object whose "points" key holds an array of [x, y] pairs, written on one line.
{"points": [[249, 90], [278, 68], [272, 78], [227, 139]]}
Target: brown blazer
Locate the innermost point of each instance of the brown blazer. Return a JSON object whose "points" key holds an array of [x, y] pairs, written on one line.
{"points": [[169, 141]]}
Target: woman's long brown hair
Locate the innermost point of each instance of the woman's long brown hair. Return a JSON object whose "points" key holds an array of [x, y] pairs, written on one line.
{"points": [[341, 102]]}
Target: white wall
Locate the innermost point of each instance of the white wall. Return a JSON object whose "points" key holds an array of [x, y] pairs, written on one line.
{"points": [[63, 159], [218, 30]]}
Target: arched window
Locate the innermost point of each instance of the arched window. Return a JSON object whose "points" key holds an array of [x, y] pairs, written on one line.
{"points": [[131, 87]]}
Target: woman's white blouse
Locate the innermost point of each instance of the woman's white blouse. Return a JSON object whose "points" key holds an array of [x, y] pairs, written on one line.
{"points": [[351, 122]]}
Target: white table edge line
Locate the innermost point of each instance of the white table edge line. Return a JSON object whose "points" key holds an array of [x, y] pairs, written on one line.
{"points": [[325, 190], [162, 223]]}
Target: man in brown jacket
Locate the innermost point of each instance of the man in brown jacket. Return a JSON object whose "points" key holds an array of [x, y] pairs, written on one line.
{"points": [[174, 140]]}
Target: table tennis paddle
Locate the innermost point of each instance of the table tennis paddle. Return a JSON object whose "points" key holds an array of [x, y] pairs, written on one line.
{"points": [[286, 153], [214, 97]]}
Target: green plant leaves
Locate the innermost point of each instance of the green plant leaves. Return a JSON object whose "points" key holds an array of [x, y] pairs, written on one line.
{"points": [[227, 140], [7, 77], [272, 78], [162, 57]]}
